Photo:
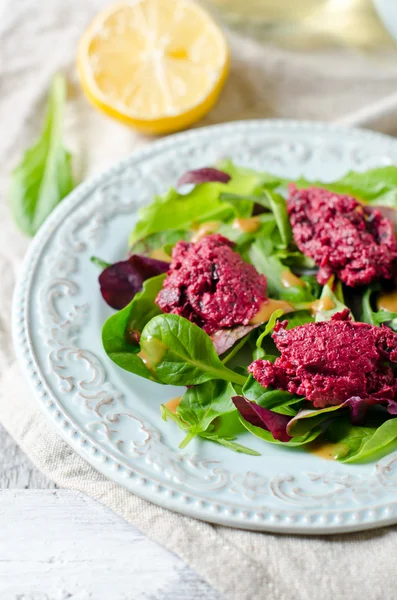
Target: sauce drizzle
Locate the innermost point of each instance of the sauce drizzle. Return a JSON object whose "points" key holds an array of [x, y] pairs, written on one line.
{"points": [[322, 305], [327, 450], [173, 404], [388, 301], [249, 225], [204, 229], [151, 353], [159, 254], [268, 308], [288, 280]]}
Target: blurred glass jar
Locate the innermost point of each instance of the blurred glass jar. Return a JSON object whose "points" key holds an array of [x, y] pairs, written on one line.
{"points": [[305, 22]]}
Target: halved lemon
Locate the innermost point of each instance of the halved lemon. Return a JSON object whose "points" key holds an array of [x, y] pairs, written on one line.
{"points": [[158, 65]]}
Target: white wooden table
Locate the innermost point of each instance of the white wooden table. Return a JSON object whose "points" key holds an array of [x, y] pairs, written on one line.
{"points": [[62, 545]]}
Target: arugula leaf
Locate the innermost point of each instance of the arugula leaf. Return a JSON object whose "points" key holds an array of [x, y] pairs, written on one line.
{"points": [[203, 203], [243, 205], [278, 206], [376, 186], [201, 404], [121, 332], [270, 200], [253, 180], [181, 211], [44, 176], [294, 258], [181, 353], [269, 327], [243, 239], [300, 317], [368, 315]]}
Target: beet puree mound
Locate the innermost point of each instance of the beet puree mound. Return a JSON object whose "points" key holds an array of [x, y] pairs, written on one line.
{"points": [[211, 285], [341, 237], [332, 361]]}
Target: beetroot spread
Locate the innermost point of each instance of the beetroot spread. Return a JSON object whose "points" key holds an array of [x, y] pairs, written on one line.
{"points": [[209, 284], [332, 361], [341, 237]]}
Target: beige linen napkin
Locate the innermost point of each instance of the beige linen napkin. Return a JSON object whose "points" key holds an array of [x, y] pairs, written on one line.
{"points": [[36, 40]]}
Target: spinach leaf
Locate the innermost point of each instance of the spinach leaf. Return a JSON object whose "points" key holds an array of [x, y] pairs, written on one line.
{"points": [[223, 435], [368, 315], [181, 353], [279, 401], [294, 441], [229, 443], [157, 241], [277, 273], [366, 442], [44, 176], [307, 419], [121, 332], [352, 443]]}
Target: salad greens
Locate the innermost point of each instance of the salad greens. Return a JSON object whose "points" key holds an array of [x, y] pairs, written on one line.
{"points": [[369, 315], [44, 176], [201, 404], [222, 400], [375, 186], [121, 333]]}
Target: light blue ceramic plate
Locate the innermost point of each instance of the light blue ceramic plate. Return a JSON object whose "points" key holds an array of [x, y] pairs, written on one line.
{"points": [[111, 417]]}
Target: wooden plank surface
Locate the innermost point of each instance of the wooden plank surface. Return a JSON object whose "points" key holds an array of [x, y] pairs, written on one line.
{"points": [[16, 470], [59, 544]]}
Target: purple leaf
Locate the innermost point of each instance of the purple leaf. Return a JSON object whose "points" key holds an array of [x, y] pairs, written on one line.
{"points": [[392, 407], [224, 339], [204, 175], [121, 281], [263, 417]]}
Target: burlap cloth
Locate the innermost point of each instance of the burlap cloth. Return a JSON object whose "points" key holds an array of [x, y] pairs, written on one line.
{"points": [[38, 39]]}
